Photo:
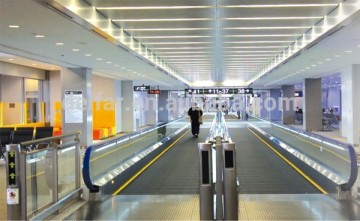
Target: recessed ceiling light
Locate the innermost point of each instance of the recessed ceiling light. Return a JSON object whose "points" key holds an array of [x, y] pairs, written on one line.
{"points": [[123, 68], [33, 64], [348, 51], [116, 65], [14, 26], [75, 49], [88, 55], [328, 59], [108, 62], [99, 59], [59, 43], [10, 59], [52, 68], [39, 36], [337, 56], [134, 72], [320, 62], [314, 65]]}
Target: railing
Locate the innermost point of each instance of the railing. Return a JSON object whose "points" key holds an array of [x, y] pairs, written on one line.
{"points": [[45, 178], [335, 160], [107, 160]]}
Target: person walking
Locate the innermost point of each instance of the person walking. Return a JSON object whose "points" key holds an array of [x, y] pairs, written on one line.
{"points": [[195, 114]]}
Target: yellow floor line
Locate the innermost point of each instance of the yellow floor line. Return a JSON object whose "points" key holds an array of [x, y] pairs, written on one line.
{"points": [[148, 165], [291, 164]]}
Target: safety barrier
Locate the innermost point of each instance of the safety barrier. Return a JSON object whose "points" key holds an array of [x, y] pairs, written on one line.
{"points": [[225, 172], [41, 181], [336, 161]]}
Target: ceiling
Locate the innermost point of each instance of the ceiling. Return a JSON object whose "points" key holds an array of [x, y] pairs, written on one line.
{"points": [[185, 43]]}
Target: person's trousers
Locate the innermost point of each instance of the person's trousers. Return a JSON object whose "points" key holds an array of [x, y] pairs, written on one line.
{"points": [[195, 127]]}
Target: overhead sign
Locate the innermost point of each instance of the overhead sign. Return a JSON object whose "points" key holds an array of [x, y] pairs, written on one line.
{"points": [[141, 88], [154, 92], [220, 91], [256, 95], [298, 94]]}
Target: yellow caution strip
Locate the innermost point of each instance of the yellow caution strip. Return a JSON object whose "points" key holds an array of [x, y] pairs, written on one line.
{"points": [[148, 165], [291, 164]]}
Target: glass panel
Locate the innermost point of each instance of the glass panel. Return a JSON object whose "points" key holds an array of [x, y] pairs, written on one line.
{"points": [[66, 171], [333, 155], [110, 155], [38, 180], [33, 110]]}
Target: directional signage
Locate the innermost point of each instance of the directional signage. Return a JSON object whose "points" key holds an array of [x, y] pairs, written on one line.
{"points": [[11, 168], [154, 92], [256, 95], [220, 91], [141, 88]]}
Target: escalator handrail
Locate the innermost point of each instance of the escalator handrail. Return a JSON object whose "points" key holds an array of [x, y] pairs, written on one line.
{"points": [[347, 147], [90, 149]]}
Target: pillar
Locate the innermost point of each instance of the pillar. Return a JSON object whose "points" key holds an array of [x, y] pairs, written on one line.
{"points": [[263, 112], [273, 106], [312, 104], [288, 103], [127, 115], [163, 111], [118, 106], [151, 109], [350, 92], [76, 105]]}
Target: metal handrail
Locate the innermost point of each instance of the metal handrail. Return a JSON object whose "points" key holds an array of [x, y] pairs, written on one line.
{"points": [[90, 149], [346, 147], [218, 128], [47, 139]]}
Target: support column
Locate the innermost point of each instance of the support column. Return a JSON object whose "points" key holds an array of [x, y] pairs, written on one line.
{"points": [[163, 111], [273, 105], [118, 106], [350, 105], [312, 104], [127, 90], [152, 109], [288, 106], [263, 112], [77, 115]]}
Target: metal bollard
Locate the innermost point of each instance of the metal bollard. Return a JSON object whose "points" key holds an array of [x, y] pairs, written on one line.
{"points": [[230, 184], [14, 188], [206, 183]]}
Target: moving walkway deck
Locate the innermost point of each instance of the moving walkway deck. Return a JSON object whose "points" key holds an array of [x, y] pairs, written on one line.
{"points": [[269, 187]]}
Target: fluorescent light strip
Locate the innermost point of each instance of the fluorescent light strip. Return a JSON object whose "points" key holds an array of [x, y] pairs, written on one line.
{"points": [[267, 28], [155, 7], [207, 6], [255, 42], [187, 56], [171, 43], [167, 29], [227, 52], [185, 52], [249, 47], [274, 18], [181, 48], [276, 5], [250, 55], [261, 36], [173, 36], [162, 19]]}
